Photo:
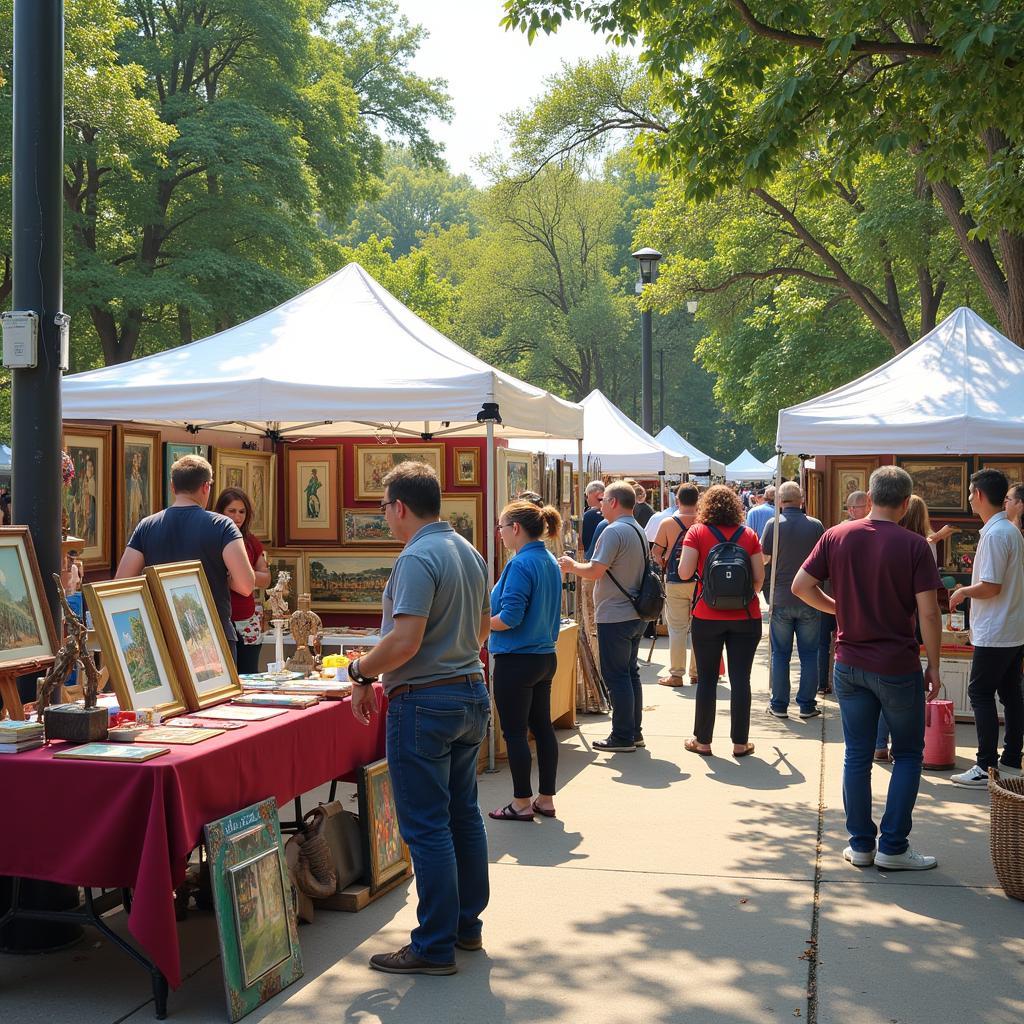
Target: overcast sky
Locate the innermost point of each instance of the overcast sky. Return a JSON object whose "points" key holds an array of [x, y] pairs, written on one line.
{"points": [[490, 72]]}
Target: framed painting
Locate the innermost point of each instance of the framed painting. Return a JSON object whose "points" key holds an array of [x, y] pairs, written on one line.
{"points": [[290, 561], [132, 640], [137, 491], [375, 461], [27, 636], [384, 851], [941, 482], [194, 634], [174, 451], [1014, 471], [565, 484], [361, 526], [467, 467], [848, 475], [87, 498], [465, 513], [961, 548], [342, 581], [261, 486], [256, 925], [515, 475], [816, 494], [229, 470], [313, 495]]}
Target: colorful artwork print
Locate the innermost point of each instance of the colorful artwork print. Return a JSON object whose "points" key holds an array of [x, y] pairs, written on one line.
{"points": [[18, 626], [81, 497], [467, 466], [373, 463], [386, 852], [348, 582], [962, 547], [138, 501], [173, 452], [134, 644], [464, 516], [312, 478], [259, 488], [942, 485], [260, 917], [517, 477], [191, 618], [364, 527]]}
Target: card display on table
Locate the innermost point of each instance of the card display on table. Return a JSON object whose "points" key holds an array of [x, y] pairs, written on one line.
{"points": [[176, 734], [292, 701], [191, 722], [236, 713], [133, 752]]}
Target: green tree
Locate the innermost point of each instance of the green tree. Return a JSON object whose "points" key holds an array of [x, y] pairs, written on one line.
{"points": [[752, 93]]}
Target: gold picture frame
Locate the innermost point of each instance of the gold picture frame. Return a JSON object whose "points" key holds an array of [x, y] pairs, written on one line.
{"points": [[366, 527], [256, 474], [1012, 469], [194, 633], [138, 479], [375, 461], [848, 475], [466, 463], [131, 637], [941, 482], [87, 498], [313, 489], [384, 851], [27, 635], [465, 514], [348, 581], [515, 475]]}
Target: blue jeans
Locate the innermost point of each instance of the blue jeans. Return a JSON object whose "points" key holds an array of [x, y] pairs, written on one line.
{"points": [[433, 741], [618, 644], [900, 699], [802, 622]]}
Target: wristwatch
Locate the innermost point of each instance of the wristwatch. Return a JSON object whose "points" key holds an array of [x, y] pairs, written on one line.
{"points": [[357, 677]]}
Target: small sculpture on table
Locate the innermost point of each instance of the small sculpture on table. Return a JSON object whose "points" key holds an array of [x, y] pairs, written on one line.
{"points": [[305, 628], [277, 598]]}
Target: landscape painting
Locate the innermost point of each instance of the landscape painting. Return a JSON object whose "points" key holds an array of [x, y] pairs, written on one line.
{"points": [[261, 916], [18, 625], [362, 526], [194, 624], [941, 482], [130, 631], [374, 462], [339, 581]]}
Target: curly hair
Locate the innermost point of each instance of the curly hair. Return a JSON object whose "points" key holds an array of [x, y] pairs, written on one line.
{"points": [[720, 506]]}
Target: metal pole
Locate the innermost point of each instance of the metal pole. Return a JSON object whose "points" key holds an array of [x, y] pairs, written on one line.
{"points": [[775, 554], [661, 387], [646, 371], [37, 283], [489, 518]]}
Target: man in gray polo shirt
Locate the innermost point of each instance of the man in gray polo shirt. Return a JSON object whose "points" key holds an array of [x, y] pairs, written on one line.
{"points": [[437, 615], [620, 555]]}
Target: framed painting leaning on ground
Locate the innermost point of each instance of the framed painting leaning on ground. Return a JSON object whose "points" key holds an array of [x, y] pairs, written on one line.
{"points": [[138, 480], [87, 499], [132, 640], [384, 851], [194, 634], [26, 628]]}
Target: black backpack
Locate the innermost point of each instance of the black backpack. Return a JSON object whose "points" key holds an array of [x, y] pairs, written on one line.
{"points": [[650, 598], [672, 562], [727, 583]]}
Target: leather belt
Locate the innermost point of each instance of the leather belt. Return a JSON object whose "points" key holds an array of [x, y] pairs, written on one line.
{"points": [[473, 677]]}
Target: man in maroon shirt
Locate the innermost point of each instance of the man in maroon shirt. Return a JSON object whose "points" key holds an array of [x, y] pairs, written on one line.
{"points": [[882, 577]]}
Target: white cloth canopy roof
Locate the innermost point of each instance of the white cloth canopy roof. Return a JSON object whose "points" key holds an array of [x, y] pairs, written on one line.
{"points": [[613, 443], [699, 462], [957, 391], [340, 358], [749, 467]]}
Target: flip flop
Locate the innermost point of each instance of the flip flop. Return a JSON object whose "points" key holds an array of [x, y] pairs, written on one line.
{"points": [[543, 810], [748, 749], [694, 748], [509, 813]]}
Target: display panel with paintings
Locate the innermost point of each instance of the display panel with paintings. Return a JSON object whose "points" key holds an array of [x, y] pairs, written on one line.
{"points": [[256, 924], [464, 512], [515, 475], [467, 467], [27, 635], [290, 561], [960, 550], [375, 461], [384, 851], [138, 479], [194, 633], [87, 497], [313, 494], [942, 483], [174, 451], [363, 526], [132, 640], [343, 581]]}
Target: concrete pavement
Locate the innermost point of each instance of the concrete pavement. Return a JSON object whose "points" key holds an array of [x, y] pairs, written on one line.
{"points": [[671, 888]]}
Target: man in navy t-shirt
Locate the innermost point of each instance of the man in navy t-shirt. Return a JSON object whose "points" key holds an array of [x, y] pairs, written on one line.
{"points": [[883, 576], [186, 531]]}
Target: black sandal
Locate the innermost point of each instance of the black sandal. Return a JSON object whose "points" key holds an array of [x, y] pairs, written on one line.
{"points": [[509, 813]]}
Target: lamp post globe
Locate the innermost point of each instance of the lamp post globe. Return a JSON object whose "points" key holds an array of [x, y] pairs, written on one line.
{"points": [[648, 262]]}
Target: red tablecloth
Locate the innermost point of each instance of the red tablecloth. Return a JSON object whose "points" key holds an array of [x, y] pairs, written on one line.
{"points": [[117, 825]]}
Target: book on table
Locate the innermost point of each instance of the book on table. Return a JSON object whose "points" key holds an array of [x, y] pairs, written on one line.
{"points": [[133, 752], [236, 713], [20, 748], [12, 732], [176, 734], [291, 701], [214, 725]]}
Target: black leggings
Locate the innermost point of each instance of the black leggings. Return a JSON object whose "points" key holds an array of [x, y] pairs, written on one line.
{"points": [[247, 657], [740, 638], [522, 693]]}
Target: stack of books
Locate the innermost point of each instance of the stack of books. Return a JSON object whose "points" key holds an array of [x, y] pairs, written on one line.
{"points": [[17, 737]]}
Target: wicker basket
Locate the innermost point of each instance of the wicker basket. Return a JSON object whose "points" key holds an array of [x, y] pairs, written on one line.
{"points": [[1006, 834]]}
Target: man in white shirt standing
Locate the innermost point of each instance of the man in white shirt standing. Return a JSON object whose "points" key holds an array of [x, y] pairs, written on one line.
{"points": [[997, 631]]}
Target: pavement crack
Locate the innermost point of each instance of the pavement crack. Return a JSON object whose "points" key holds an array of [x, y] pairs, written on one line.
{"points": [[811, 953]]}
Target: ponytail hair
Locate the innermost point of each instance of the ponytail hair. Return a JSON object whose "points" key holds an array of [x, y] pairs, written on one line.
{"points": [[537, 523]]}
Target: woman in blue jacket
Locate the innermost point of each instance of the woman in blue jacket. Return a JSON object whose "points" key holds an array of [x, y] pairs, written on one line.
{"points": [[525, 612]]}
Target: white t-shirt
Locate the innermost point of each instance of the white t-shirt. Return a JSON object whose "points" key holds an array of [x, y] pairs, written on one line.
{"points": [[651, 529], [999, 621]]}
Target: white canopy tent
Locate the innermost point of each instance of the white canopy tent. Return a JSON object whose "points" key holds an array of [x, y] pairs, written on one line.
{"points": [[699, 462], [957, 391], [613, 443], [747, 466]]}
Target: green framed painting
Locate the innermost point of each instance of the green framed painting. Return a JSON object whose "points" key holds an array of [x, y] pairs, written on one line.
{"points": [[174, 451], [259, 938]]}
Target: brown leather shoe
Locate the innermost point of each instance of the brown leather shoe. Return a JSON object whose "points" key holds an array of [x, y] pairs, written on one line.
{"points": [[670, 681], [470, 944], [405, 961]]}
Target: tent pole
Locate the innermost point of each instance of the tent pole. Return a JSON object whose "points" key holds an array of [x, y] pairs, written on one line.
{"points": [[775, 557], [581, 487], [661, 474], [489, 517]]}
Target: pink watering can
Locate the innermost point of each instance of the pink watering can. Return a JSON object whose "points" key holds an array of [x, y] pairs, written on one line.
{"points": [[939, 734]]}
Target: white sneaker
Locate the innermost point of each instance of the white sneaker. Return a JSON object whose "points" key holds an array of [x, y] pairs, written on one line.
{"points": [[973, 778], [859, 858], [909, 860]]}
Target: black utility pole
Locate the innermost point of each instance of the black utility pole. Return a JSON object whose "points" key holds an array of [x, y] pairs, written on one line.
{"points": [[661, 387], [37, 282], [648, 261]]}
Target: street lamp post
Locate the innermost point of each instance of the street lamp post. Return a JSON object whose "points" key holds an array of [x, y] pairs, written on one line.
{"points": [[648, 260]]}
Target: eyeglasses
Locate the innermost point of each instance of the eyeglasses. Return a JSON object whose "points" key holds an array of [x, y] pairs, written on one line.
{"points": [[384, 504], [504, 526]]}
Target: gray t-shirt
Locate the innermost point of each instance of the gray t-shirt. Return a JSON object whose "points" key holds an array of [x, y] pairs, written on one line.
{"points": [[623, 548], [441, 577], [798, 533]]}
